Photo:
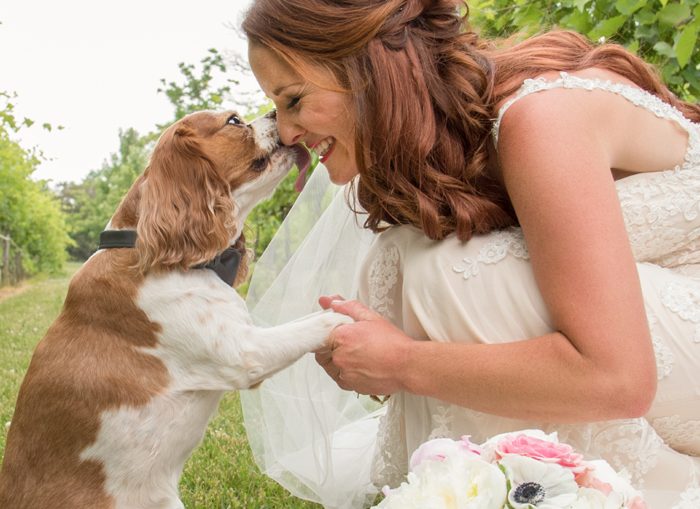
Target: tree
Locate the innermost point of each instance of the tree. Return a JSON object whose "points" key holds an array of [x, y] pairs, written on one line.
{"points": [[201, 87], [29, 212], [662, 32], [91, 203]]}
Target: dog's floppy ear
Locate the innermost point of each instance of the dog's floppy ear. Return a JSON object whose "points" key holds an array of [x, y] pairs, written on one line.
{"points": [[185, 211]]}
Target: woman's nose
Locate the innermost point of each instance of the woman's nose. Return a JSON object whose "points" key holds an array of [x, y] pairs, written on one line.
{"points": [[290, 132]]}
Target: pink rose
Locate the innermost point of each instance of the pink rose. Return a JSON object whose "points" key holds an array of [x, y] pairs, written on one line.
{"points": [[637, 503], [542, 450], [587, 479], [439, 448]]}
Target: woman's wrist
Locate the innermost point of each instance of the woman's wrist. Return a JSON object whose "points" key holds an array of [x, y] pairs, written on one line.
{"points": [[407, 366]]}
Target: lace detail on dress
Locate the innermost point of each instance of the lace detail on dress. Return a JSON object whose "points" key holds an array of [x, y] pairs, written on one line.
{"points": [[662, 215], [631, 446], [664, 355], [390, 459], [383, 274], [442, 420], [683, 298], [680, 434], [690, 499], [506, 241], [635, 95]]}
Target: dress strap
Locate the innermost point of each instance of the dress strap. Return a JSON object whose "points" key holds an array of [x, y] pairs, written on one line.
{"points": [[635, 95]]}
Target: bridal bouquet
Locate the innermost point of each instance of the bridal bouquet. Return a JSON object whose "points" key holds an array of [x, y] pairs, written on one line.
{"points": [[522, 470]]}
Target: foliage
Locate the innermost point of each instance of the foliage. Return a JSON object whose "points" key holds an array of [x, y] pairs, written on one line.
{"points": [[91, 203], [221, 472], [196, 93], [662, 32], [29, 212]]}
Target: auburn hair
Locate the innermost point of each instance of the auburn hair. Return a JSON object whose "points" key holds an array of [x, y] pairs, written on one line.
{"points": [[424, 89]]}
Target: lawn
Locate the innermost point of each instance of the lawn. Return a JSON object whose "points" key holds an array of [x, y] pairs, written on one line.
{"points": [[221, 473]]}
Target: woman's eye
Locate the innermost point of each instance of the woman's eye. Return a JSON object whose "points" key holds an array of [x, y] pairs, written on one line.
{"points": [[234, 120], [293, 102]]}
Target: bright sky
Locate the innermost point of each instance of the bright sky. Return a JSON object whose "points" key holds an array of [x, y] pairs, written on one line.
{"points": [[94, 67]]}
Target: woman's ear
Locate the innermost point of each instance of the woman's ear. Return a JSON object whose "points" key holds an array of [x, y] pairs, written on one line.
{"points": [[185, 211]]}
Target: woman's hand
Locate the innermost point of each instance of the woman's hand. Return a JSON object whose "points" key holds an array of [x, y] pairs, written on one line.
{"points": [[366, 356]]}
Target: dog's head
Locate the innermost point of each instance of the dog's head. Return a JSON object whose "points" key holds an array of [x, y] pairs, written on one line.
{"points": [[206, 173]]}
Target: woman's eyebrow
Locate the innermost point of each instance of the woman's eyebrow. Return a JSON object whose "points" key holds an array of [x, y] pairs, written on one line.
{"points": [[279, 90]]}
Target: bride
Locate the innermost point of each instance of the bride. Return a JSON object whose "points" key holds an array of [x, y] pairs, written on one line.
{"points": [[522, 237]]}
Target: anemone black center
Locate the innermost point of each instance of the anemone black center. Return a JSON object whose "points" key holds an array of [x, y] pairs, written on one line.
{"points": [[529, 493]]}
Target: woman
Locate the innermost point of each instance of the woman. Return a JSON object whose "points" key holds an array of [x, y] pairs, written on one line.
{"points": [[540, 209]]}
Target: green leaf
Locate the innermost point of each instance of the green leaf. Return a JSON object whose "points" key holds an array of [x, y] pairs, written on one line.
{"points": [[581, 4], [579, 21], [685, 44], [691, 76], [664, 48], [633, 47], [646, 16], [673, 14], [629, 7], [607, 28]]}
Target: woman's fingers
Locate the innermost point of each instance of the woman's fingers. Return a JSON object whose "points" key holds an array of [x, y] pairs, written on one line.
{"points": [[354, 309], [325, 300]]}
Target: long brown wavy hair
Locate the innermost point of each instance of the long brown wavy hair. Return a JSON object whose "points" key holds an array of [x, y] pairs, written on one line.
{"points": [[425, 88]]}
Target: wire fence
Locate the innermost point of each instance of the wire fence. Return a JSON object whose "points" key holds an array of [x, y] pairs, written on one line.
{"points": [[11, 269]]}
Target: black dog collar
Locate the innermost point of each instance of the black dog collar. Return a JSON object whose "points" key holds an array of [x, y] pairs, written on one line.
{"points": [[225, 264]]}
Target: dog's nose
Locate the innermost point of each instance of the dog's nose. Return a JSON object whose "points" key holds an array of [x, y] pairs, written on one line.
{"points": [[272, 115]]}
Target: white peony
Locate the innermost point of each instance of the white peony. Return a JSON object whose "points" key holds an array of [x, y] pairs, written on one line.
{"points": [[456, 482], [619, 484], [535, 484], [441, 448], [589, 498]]}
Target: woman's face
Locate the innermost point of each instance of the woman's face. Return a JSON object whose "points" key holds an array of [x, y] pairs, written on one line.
{"points": [[306, 113]]}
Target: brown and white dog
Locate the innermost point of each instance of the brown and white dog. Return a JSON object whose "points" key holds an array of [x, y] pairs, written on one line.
{"points": [[120, 390]]}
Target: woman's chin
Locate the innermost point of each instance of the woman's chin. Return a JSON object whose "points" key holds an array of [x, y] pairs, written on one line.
{"points": [[340, 174]]}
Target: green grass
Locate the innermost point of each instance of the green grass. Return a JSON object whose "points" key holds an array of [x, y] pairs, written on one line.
{"points": [[220, 474]]}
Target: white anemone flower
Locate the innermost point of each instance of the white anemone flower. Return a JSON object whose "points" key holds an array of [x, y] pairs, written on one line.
{"points": [[534, 484]]}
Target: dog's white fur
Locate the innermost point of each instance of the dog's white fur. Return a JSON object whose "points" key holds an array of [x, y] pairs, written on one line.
{"points": [[208, 345]]}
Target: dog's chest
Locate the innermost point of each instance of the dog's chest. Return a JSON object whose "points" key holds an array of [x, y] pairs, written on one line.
{"points": [[142, 450]]}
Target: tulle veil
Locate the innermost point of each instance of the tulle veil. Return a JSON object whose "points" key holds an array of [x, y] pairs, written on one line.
{"points": [[313, 438]]}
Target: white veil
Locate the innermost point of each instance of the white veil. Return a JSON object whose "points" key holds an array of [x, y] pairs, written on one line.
{"points": [[313, 438]]}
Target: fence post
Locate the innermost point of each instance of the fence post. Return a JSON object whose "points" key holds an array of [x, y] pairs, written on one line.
{"points": [[19, 270], [5, 268]]}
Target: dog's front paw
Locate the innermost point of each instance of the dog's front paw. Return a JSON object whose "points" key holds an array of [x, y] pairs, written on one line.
{"points": [[323, 323]]}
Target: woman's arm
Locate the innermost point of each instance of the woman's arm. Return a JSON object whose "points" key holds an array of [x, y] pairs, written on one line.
{"points": [[555, 155]]}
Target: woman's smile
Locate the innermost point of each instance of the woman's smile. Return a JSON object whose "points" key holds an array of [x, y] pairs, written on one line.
{"points": [[308, 112], [323, 148]]}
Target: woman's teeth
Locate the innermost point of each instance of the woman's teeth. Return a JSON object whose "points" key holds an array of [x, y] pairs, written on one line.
{"points": [[323, 146]]}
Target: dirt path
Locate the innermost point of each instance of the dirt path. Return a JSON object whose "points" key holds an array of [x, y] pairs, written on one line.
{"points": [[11, 291]]}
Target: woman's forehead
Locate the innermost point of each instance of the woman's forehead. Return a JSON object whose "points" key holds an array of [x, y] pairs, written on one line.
{"points": [[275, 72], [271, 70]]}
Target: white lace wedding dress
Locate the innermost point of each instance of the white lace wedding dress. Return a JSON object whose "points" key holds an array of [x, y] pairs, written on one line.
{"points": [[483, 291]]}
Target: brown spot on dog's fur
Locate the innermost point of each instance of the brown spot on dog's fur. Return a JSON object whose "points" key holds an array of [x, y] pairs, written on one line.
{"points": [[205, 317], [87, 363]]}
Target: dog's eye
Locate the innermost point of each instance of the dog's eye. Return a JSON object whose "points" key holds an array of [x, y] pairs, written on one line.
{"points": [[234, 120], [259, 164]]}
